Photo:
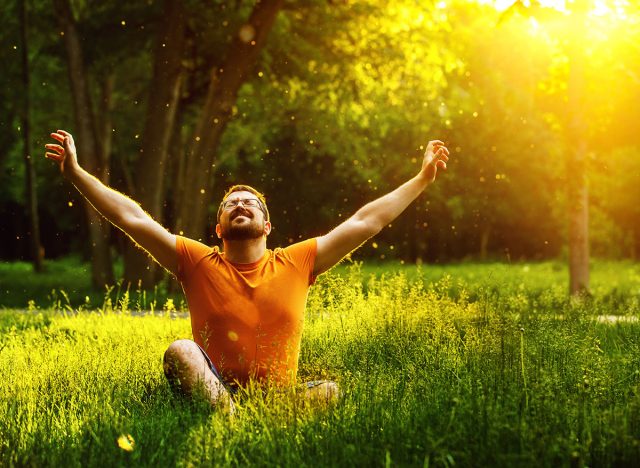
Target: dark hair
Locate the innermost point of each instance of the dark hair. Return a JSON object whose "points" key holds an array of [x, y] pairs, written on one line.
{"points": [[244, 188]]}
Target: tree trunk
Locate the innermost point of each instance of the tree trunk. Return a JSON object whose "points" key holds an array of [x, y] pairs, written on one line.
{"points": [[88, 148], [160, 118], [223, 90], [177, 163], [578, 222], [104, 127], [577, 191], [484, 242], [35, 247]]}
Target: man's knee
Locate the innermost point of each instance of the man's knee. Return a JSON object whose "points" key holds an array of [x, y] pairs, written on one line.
{"points": [[179, 348], [179, 355], [188, 373]]}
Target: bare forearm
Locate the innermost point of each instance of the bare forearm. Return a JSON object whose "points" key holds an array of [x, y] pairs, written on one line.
{"points": [[371, 218], [112, 204], [385, 209]]}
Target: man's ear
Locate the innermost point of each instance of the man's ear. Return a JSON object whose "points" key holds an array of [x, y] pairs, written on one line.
{"points": [[218, 231], [267, 228]]}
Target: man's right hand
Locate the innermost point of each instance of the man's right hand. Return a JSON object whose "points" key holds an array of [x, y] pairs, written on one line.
{"points": [[64, 153]]}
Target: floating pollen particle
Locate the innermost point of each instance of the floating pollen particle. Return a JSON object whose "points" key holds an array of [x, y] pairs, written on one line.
{"points": [[126, 442], [246, 33]]}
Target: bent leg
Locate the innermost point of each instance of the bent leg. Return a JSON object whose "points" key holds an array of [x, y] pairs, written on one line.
{"points": [[322, 391], [188, 372]]}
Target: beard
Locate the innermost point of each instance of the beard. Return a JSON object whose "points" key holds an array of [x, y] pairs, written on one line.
{"points": [[253, 229]]}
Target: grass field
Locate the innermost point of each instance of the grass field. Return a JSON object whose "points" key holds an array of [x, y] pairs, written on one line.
{"points": [[67, 282], [469, 365]]}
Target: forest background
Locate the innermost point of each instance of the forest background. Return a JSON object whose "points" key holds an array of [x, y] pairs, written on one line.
{"points": [[324, 105]]}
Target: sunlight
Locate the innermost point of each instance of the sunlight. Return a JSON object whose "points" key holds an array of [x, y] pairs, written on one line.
{"points": [[610, 8], [502, 5], [615, 8]]}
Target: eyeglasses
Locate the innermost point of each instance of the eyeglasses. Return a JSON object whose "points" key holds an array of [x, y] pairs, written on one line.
{"points": [[249, 202]]}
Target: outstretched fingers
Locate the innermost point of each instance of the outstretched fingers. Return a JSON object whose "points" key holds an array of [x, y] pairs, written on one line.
{"points": [[56, 148], [54, 156], [441, 154], [61, 136], [56, 152], [435, 146], [57, 136]]}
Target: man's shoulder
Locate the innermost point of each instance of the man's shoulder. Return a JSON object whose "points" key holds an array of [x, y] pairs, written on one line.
{"points": [[298, 253], [191, 251]]}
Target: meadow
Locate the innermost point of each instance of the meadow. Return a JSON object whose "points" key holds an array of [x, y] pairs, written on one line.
{"points": [[459, 365]]}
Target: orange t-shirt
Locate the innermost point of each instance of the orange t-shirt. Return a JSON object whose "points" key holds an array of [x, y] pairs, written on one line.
{"points": [[248, 317]]}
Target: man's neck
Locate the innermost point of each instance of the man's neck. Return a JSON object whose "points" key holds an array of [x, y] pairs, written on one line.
{"points": [[245, 251]]}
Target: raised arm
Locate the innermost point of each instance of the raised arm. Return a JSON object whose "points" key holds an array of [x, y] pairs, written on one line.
{"points": [[116, 207], [371, 218]]}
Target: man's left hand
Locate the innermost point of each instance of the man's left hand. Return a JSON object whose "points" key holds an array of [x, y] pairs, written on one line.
{"points": [[435, 157]]}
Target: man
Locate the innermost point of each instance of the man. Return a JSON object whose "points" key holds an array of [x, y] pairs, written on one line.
{"points": [[246, 302]]}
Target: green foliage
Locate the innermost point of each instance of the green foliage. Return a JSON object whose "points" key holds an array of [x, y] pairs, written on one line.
{"points": [[618, 174], [334, 113], [512, 377], [342, 125]]}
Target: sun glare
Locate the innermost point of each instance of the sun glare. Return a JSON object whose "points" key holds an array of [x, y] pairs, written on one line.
{"points": [[612, 8], [502, 5]]}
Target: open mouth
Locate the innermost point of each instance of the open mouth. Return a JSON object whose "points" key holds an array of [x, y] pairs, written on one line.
{"points": [[239, 213]]}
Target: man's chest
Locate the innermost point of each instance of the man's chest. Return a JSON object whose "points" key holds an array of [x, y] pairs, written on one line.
{"points": [[273, 297]]}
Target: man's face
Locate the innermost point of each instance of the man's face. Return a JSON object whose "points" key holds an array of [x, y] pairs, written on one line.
{"points": [[242, 222]]}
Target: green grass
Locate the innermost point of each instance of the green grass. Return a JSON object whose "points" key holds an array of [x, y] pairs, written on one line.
{"points": [[472, 370], [67, 282]]}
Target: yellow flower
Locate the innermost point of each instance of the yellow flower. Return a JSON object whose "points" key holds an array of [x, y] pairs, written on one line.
{"points": [[126, 443]]}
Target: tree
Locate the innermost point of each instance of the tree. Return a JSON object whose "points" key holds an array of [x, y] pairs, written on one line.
{"points": [[94, 157], [225, 82], [340, 97], [334, 107], [30, 179], [150, 172], [572, 31], [576, 157], [503, 192]]}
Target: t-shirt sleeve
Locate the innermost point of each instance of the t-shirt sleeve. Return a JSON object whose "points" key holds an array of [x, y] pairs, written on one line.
{"points": [[190, 252], [303, 256]]}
